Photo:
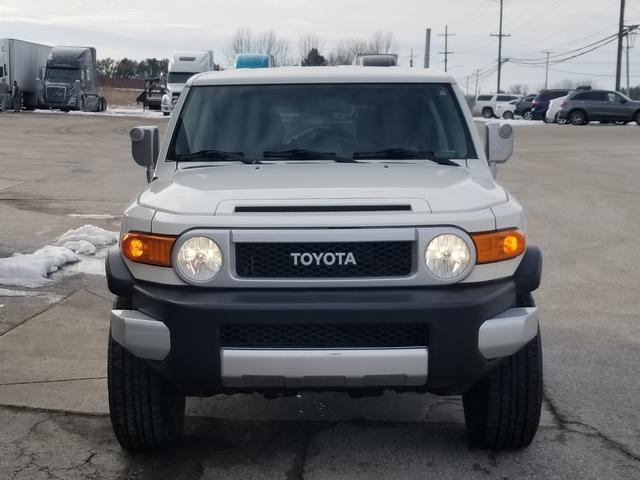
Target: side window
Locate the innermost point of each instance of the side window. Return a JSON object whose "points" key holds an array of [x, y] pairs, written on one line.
{"points": [[484, 98], [613, 97], [504, 98]]}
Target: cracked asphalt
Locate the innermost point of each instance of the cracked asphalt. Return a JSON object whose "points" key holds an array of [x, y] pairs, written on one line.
{"points": [[580, 189]]}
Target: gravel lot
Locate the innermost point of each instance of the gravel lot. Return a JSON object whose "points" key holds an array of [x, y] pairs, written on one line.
{"points": [[580, 186]]}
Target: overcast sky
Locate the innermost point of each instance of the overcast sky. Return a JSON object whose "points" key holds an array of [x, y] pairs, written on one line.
{"points": [[138, 29]]}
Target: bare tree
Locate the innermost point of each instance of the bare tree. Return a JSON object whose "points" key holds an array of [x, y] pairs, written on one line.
{"points": [[381, 42], [245, 41], [569, 84], [518, 89], [346, 51], [307, 43]]}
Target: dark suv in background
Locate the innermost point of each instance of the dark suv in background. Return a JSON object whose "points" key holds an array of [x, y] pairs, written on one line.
{"points": [[541, 102], [582, 107], [524, 106]]}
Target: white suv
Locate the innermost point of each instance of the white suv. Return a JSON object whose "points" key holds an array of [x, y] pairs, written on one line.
{"points": [[321, 228], [486, 104]]}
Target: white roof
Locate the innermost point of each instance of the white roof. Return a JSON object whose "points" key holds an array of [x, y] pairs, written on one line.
{"points": [[339, 74]]}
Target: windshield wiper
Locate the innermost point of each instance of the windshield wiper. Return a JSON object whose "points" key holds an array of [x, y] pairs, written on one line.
{"points": [[404, 154], [305, 154], [216, 155]]}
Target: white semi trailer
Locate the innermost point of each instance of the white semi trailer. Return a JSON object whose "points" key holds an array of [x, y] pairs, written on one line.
{"points": [[21, 61], [182, 66]]}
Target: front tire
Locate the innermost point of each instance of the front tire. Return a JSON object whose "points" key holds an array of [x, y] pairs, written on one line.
{"points": [[507, 115], [577, 117], [487, 112], [502, 411], [147, 413], [528, 115]]}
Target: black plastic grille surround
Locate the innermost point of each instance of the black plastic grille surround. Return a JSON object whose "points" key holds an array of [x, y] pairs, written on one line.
{"points": [[372, 259], [323, 336]]}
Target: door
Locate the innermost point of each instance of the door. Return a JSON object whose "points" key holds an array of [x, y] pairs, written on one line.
{"points": [[615, 108]]}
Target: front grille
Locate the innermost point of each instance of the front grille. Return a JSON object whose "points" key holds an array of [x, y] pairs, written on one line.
{"points": [[324, 260], [56, 94], [324, 336]]}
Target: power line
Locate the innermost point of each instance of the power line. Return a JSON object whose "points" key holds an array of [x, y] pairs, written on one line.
{"points": [[446, 52]]}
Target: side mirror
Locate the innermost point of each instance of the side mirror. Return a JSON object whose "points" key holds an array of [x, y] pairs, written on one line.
{"points": [[498, 144], [145, 145]]}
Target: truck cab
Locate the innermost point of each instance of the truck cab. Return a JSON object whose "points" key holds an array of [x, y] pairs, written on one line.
{"points": [[70, 80], [324, 229], [182, 66]]}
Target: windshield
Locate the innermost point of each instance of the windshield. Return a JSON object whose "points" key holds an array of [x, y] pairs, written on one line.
{"points": [[63, 75], [179, 77], [322, 121]]}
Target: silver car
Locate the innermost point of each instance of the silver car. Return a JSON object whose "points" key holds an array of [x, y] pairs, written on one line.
{"points": [[581, 107]]}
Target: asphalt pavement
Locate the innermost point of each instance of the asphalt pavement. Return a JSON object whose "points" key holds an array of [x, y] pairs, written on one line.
{"points": [[580, 188]]}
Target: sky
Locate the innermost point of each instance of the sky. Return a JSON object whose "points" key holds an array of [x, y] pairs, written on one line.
{"points": [[142, 28]]}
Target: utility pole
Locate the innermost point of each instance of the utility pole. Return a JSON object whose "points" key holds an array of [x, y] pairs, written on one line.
{"points": [[411, 58], [477, 78], [546, 77], [427, 48], [446, 52], [500, 35], [629, 29], [619, 57]]}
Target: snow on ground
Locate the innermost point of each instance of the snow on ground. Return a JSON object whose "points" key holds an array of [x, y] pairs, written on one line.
{"points": [[93, 216], [90, 233], [32, 270], [516, 122], [81, 251], [81, 246], [111, 112]]}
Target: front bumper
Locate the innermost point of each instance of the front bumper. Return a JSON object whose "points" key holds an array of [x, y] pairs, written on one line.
{"points": [[469, 328]]}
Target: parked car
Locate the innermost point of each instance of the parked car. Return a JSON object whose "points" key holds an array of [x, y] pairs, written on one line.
{"points": [[541, 102], [582, 107], [555, 106], [486, 104], [506, 110], [305, 230], [524, 106]]}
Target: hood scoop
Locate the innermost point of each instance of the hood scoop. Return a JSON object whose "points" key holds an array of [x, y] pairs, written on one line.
{"points": [[320, 208]]}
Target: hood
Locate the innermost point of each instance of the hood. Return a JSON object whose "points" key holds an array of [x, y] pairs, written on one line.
{"points": [[175, 87], [217, 188]]}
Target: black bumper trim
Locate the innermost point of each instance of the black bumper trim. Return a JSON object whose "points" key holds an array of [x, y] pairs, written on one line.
{"points": [[451, 314]]}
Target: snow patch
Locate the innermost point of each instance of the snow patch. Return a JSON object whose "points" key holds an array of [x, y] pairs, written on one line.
{"points": [[48, 297], [94, 216], [97, 236], [82, 247], [111, 112], [32, 270]]}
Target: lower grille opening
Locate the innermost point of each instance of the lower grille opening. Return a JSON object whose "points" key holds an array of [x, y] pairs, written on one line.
{"points": [[324, 336]]}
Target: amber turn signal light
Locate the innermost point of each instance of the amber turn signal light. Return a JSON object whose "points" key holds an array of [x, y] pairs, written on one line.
{"points": [[498, 246], [148, 248]]}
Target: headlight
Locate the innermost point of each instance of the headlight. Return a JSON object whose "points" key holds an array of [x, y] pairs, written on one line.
{"points": [[447, 256], [199, 259]]}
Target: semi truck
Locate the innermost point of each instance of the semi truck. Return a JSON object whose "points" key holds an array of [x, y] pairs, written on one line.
{"points": [[71, 80], [20, 61], [182, 66]]}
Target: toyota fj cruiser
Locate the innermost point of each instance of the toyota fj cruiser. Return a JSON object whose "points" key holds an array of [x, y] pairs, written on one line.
{"points": [[323, 229]]}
